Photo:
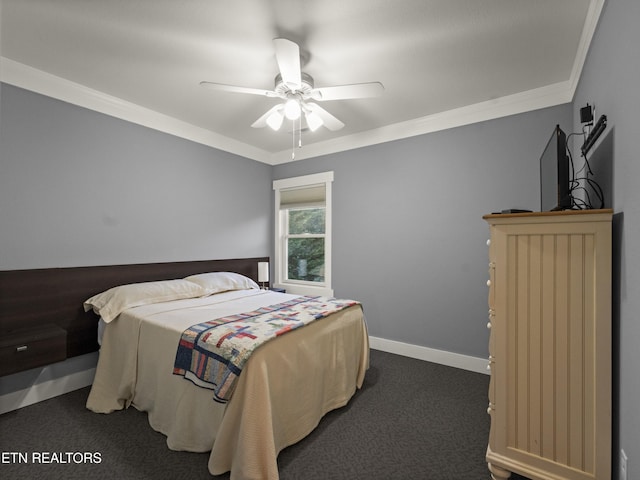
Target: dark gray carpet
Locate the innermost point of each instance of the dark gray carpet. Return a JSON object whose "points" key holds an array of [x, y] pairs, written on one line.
{"points": [[411, 420]]}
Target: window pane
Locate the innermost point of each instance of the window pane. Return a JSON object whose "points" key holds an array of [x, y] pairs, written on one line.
{"points": [[306, 220], [305, 259]]}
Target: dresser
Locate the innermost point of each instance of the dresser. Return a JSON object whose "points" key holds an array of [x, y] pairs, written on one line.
{"points": [[550, 345]]}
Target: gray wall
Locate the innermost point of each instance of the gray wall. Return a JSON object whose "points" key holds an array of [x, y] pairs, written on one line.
{"points": [[611, 81], [409, 240], [81, 188]]}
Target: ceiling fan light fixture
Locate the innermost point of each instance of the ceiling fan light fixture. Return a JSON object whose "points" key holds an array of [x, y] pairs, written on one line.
{"points": [[292, 109], [275, 120], [313, 121]]}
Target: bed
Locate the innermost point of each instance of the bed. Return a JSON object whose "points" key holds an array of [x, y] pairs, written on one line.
{"points": [[286, 386]]}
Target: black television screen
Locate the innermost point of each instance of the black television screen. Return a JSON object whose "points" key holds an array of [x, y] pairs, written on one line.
{"points": [[555, 182]]}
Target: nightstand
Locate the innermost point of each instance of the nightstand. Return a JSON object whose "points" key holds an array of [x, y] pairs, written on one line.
{"points": [[26, 348]]}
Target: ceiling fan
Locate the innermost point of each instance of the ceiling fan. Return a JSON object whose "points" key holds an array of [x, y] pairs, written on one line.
{"points": [[297, 90]]}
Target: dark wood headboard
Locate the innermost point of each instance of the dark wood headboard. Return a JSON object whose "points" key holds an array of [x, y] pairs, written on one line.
{"points": [[32, 298]]}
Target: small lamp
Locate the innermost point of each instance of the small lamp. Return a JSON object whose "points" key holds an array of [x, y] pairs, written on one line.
{"points": [[275, 120], [292, 109], [263, 274], [314, 121]]}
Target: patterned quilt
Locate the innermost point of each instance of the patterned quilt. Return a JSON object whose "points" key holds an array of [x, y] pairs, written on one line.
{"points": [[212, 354]]}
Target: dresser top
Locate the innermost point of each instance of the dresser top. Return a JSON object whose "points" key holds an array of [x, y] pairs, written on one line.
{"points": [[561, 213]]}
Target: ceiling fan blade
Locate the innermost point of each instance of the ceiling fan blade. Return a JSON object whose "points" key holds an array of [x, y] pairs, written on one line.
{"points": [[343, 92], [329, 121], [235, 89], [288, 58], [262, 121]]}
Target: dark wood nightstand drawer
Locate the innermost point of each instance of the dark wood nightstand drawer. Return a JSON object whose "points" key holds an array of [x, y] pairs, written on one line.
{"points": [[22, 349]]}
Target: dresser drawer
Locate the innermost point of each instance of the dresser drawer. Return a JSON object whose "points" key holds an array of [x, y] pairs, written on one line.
{"points": [[22, 349]]}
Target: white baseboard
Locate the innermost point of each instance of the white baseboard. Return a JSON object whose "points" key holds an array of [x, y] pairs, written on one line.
{"points": [[46, 390], [465, 362]]}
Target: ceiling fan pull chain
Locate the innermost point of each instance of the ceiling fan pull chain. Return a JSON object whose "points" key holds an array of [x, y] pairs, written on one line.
{"points": [[293, 139]]}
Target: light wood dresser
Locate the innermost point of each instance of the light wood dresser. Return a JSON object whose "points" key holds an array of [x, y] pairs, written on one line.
{"points": [[550, 345]]}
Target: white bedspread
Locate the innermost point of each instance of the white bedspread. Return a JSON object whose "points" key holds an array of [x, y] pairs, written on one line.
{"points": [[286, 386]]}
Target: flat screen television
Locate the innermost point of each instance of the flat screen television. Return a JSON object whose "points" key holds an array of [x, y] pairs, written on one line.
{"points": [[555, 181]]}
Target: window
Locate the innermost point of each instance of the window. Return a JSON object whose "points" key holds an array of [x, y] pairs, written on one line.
{"points": [[303, 234]]}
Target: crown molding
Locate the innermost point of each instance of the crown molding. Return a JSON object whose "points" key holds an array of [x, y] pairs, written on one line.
{"points": [[29, 78], [589, 29], [551, 95]]}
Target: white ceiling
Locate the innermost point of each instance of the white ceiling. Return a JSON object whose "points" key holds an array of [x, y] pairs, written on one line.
{"points": [[443, 62]]}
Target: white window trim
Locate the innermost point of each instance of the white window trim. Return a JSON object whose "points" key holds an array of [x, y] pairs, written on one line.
{"points": [[326, 289]]}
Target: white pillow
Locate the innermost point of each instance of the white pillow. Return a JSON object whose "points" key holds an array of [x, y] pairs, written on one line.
{"points": [[110, 303], [216, 282]]}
